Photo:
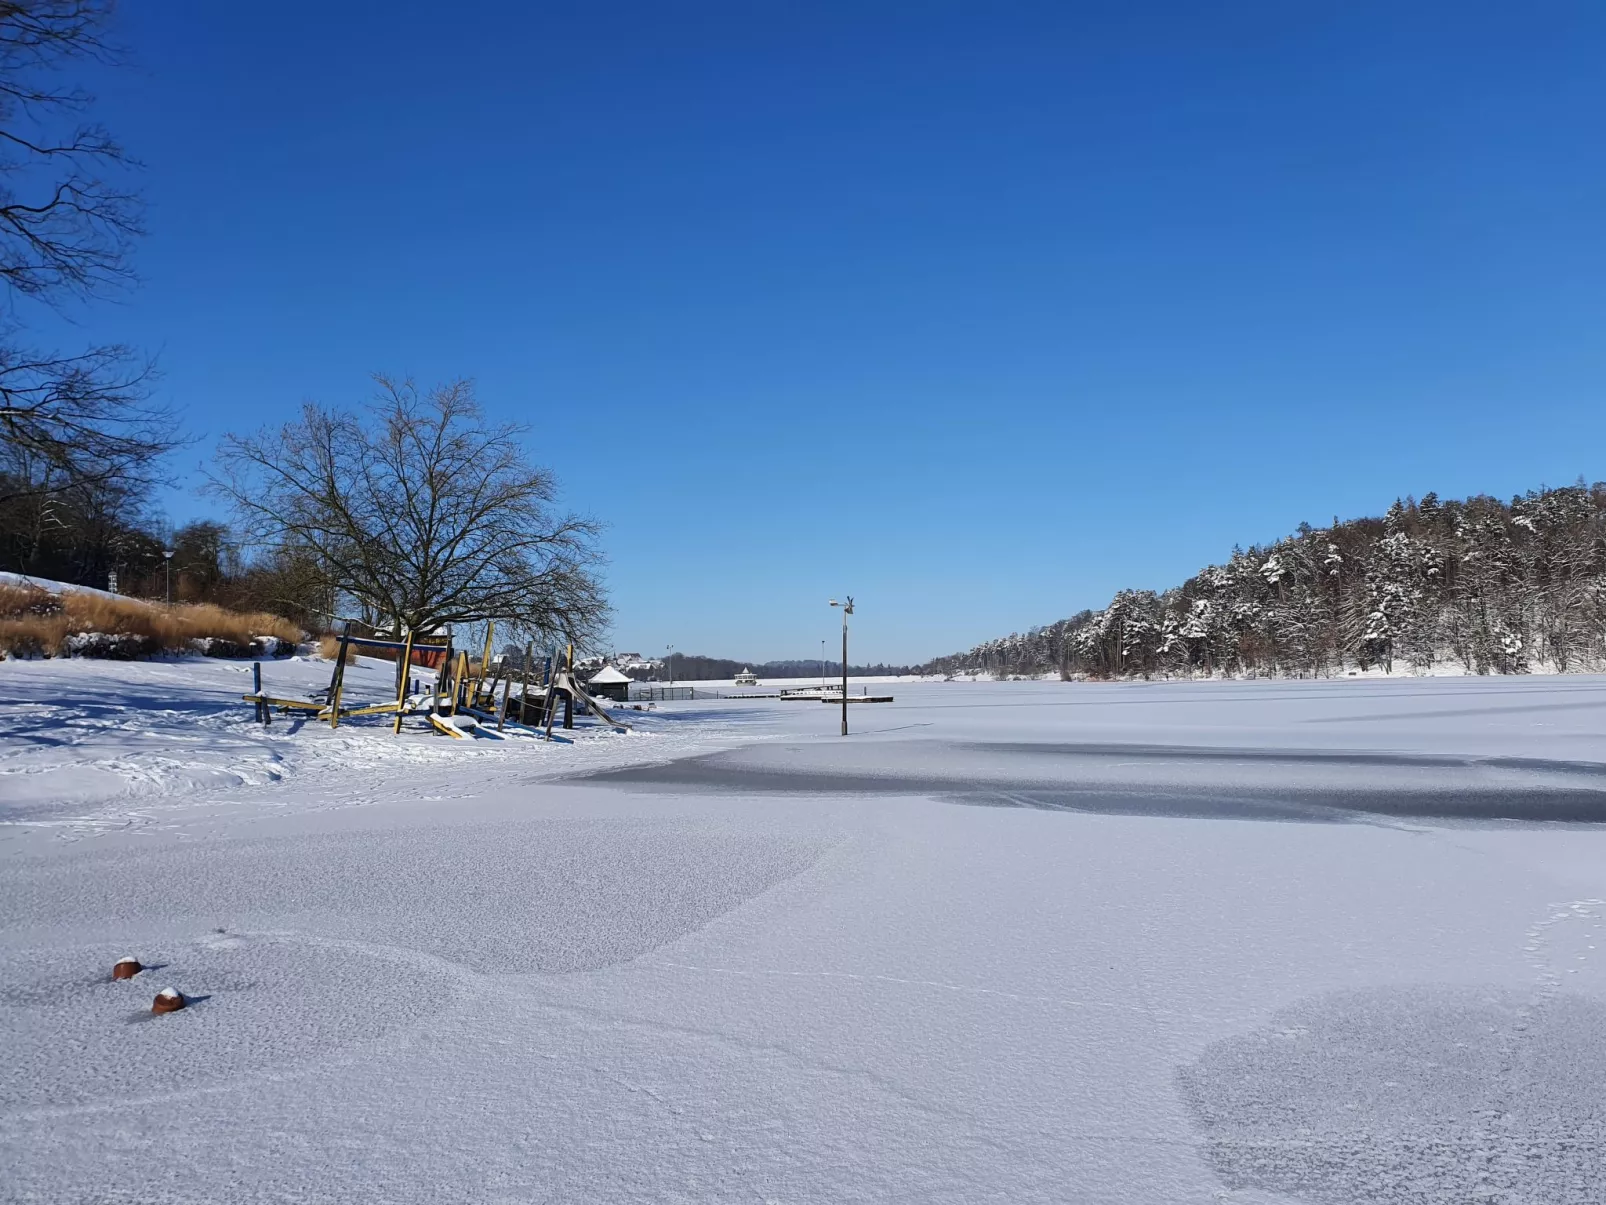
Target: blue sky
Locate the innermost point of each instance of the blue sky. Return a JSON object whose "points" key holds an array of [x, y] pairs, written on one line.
{"points": [[978, 312]]}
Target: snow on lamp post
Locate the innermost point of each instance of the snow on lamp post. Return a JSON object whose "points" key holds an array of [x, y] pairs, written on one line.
{"points": [[847, 609], [167, 558]]}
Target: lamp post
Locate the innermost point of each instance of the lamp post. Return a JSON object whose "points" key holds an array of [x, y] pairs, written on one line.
{"points": [[822, 667], [847, 609], [167, 558], [669, 662]]}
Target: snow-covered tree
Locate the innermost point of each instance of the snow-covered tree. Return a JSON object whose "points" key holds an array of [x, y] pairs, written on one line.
{"points": [[1496, 586]]}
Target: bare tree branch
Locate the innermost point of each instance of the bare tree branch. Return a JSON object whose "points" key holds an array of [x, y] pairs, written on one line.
{"points": [[78, 421], [420, 512], [67, 226]]}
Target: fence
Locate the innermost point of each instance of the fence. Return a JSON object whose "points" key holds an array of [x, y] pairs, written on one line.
{"points": [[646, 692]]}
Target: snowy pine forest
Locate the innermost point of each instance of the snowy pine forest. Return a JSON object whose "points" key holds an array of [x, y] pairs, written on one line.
{"points": [[1480, 586]]}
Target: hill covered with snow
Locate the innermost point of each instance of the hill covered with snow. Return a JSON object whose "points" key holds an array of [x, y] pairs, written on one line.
{"points": [[1480, 586]]}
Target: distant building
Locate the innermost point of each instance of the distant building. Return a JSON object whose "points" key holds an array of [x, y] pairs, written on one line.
{"points": [[747, 678], [609, 683]]}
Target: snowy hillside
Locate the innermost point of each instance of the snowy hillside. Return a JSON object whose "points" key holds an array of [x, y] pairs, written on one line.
{"points": [[1466, 587], [24, 582]]}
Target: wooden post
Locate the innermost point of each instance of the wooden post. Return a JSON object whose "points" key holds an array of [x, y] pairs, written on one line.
{"points": [[334, 677], [340, 676], [256, 689], [458, 679], [568, 695], [485, 665], [551, 700], [507, 689], [401, 681], [524, 684], [443, 675]]}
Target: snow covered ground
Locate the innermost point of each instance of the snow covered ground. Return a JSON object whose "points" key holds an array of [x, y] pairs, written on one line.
{"points": [[1249, 942], [23, 581], [88, 745]]}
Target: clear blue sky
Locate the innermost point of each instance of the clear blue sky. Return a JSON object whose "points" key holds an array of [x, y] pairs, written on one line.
{"points": [[976, 311]]}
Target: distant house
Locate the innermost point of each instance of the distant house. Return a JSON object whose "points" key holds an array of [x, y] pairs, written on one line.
{"points": [[609, 683], [747, 678]]}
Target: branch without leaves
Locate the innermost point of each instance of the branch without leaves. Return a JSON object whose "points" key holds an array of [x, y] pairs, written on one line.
{"points": [[421, 512]]}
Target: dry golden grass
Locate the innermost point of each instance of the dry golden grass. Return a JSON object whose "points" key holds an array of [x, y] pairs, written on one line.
{"points": [[34, 622]]}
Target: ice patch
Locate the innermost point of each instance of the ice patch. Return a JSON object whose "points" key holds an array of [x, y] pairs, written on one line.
{"points": [[1414, 1096]]}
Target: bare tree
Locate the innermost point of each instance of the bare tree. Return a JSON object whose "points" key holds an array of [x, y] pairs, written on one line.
{"points": [[421, 512], [79, 421], [67, 228]]}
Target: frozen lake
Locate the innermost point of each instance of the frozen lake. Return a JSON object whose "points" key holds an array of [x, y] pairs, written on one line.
{"points": [[1250, 942]]}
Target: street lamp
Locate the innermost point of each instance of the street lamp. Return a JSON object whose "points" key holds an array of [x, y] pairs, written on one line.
{"points": [[822, 667], [167, 558], [847, 609], [669, 660]]}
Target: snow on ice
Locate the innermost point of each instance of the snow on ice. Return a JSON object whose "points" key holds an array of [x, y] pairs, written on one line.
{"points": [[1267, 942]]}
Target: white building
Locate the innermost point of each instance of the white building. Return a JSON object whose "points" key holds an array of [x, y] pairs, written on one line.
{"points": [[609, 683]]}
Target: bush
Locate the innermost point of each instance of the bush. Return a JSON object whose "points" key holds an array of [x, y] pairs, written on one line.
{"points": [[122, 646], [35, 623]]}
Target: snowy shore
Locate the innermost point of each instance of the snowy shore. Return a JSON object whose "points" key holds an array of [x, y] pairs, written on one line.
{"points": [[1257, 942]]}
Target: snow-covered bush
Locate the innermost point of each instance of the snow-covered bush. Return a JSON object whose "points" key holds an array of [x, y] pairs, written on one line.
{"points": [[109, 646], [257, 646]]}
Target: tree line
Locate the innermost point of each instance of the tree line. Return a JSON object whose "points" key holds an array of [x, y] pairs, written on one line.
{"points": [[690, 667], [412, 511], [1480, 584], [89, 539]]}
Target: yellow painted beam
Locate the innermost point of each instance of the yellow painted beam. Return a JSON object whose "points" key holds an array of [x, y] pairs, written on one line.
{"points": [[449, 729], [401, 687], [372, 709], [290, 704]]}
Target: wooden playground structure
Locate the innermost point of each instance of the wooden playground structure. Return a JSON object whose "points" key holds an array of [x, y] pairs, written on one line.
{"points": [[462, 702]]}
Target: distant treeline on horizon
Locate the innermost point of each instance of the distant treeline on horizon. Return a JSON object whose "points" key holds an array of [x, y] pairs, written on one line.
{"points": [[693, 668], [1480, 585]]}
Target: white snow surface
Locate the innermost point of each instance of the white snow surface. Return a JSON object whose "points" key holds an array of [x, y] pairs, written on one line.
{"points": [[51, 586], [1263, 943]]}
